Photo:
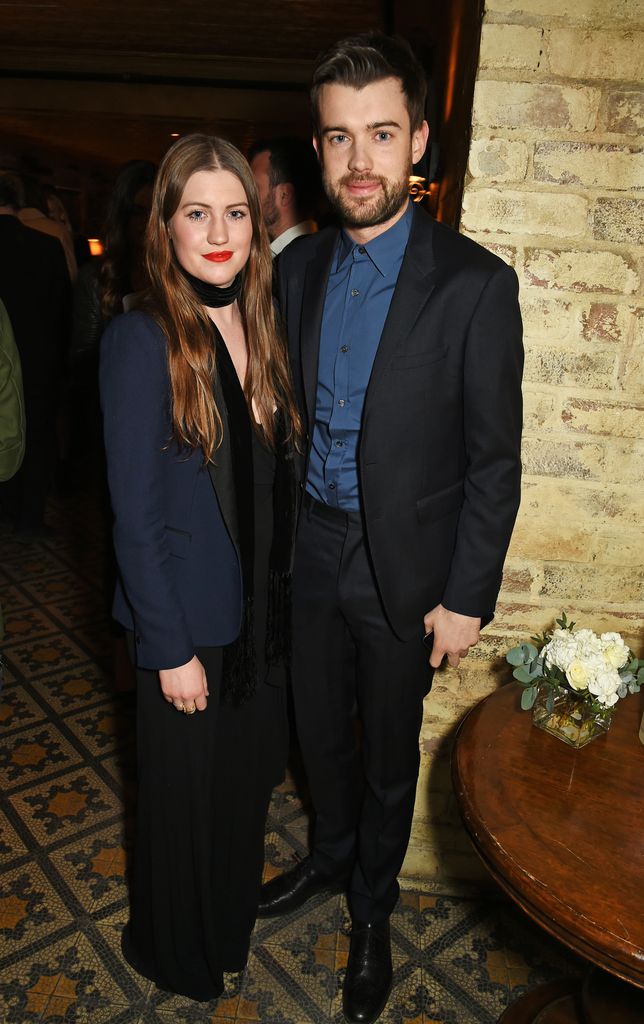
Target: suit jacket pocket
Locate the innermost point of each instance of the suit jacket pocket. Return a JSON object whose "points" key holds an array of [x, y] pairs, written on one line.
{"points": [[435, 506], [412, 359], [178, 541]]}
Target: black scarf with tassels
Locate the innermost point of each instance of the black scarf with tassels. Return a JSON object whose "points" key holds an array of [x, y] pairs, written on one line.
{"points": [[240, 665]]}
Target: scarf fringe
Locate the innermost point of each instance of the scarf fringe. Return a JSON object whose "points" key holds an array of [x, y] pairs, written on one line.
{"points": [[239, 673], [278, 623], [240, 665]]}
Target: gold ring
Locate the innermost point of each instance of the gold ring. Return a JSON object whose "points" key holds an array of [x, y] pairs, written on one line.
{"points": [[190, 710], [179, 707]]}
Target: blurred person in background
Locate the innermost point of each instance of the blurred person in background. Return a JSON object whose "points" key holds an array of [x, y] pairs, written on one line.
{"points": [[35, 214], [57, 210], [103, 290], [106, 281], [35, 288], [12, 414], [287, 176]]}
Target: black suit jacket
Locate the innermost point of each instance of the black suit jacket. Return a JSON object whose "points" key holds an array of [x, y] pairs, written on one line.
{"points": [[439, 454], [36, 290]]}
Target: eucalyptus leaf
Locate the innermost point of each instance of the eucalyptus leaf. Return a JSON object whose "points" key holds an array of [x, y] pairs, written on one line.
{"points": [[528, 697], [515, 656], [522, 675]]}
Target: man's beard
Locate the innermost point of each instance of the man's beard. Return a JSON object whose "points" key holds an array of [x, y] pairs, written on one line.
{"points": [[368, 213], [270, 214]]}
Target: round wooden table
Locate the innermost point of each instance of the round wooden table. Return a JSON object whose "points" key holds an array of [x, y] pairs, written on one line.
{"points": [[562, 831]]}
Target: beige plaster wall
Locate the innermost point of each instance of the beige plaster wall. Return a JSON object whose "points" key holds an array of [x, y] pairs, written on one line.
{"points": [[555, 184]]}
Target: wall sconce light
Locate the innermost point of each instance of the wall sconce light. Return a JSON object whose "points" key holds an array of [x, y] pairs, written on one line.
{"points": [[416, 187], [96, 247]]}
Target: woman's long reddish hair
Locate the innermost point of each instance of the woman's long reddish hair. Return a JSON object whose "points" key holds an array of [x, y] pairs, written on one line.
{"points": [[196, 420]]}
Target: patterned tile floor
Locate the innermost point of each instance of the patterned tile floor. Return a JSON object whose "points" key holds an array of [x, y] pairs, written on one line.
{"points": [[66, 782]]}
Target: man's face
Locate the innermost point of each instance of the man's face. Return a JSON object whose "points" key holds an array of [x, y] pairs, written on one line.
{"points": [[260, 165], [366, 148]]}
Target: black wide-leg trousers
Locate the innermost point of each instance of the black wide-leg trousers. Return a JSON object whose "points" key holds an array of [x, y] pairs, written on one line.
{"points": [[358, 694]]}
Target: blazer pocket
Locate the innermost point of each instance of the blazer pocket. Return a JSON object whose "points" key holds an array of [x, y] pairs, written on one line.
{"points": [[435, 506], [413, 359], [178, 541]]}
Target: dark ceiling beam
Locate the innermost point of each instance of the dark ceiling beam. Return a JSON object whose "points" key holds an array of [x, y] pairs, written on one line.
{"points": [[145, 99], [109, 65]]}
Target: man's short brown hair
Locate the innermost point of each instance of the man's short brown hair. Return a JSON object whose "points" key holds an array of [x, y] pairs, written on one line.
{"points": [[360, 60]]}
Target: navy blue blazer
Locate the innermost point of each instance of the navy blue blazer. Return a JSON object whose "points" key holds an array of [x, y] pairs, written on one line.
{"points": [[175, 530]]}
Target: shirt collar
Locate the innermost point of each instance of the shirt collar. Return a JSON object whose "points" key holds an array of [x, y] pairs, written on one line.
{"points": [[305, 227], [386, 250]]}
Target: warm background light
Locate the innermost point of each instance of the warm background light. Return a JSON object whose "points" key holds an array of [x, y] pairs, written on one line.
{"points": [[417, 187], [95, 246]]}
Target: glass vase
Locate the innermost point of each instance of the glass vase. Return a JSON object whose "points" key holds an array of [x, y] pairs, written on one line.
{"points": [[571, 719]]}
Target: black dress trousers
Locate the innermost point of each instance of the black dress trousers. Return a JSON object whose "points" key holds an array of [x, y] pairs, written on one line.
{"points": [[358, 694]]}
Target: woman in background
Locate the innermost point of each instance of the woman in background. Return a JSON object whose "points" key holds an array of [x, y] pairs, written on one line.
{"points": [[199, 424], [105, 281], [103, 290]]}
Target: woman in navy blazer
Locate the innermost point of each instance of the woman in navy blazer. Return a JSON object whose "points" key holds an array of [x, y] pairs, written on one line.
{"points": [[199, 425]]}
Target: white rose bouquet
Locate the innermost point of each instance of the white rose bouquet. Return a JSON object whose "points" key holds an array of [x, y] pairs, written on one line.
{"points": [[598, 670]]}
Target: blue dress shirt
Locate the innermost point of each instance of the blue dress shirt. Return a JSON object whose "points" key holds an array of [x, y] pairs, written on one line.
{"points": [[359, 292]]}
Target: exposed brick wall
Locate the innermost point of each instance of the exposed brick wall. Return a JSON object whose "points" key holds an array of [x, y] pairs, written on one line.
{"points": [[556, 188]]}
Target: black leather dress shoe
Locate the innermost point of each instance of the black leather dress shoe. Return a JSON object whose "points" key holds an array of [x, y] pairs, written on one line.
{"points": [[367, 983], [289, 891]]}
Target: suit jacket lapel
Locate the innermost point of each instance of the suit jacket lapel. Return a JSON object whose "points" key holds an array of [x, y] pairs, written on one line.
{"points": [[221, 473], [314, 293], [415, 284]]}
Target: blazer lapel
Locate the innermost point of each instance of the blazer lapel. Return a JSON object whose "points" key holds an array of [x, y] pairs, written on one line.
{"points": [[221, 473], [416, 282], [313, 295]]}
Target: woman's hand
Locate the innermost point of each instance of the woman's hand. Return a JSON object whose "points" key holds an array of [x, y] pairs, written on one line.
{"points": [[186, 686]]}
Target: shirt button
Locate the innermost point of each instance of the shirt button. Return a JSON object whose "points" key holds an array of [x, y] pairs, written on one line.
{"points": [[344, 348], [341, 402], [331, 487], [354, 292], [361, 250], [338, 444]]}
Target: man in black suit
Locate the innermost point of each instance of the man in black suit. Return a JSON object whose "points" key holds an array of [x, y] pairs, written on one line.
{"points": [[288, 181], [405, 342], [36, 290]]}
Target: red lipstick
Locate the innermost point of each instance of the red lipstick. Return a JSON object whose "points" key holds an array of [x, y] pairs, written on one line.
{"points": [[218, 257]]}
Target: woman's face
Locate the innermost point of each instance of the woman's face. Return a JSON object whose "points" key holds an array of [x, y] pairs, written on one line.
{"points": [[211, 229]]}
